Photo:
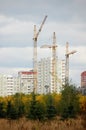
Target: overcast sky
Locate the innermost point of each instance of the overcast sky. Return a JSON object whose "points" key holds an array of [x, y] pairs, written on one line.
{"points": [[65, 17]]}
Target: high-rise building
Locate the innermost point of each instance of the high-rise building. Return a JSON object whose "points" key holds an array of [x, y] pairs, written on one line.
{"points": [[3, 87], [82, 88], [9, 85], [23, 83], [26, 81], [45, 76], [83, 79], [61, 74]]}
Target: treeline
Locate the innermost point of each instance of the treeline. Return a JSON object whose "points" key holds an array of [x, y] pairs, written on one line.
{"points": [[68, 104]]}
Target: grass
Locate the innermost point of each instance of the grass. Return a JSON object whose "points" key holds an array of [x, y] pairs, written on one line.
{"points": [[56, 124]]}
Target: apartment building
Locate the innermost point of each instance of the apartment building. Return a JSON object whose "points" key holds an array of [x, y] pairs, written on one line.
{"points": [[83, 79], [45, 77], [26, 81], [9, 85], [46, 81], [23, 83]]}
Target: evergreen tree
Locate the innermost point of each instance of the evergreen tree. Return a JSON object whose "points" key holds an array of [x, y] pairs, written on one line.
{"points": [[12, 113], [19, 104], [40, 111], [50, 108], [69, 103], [32, 109], [2, 112], [36, 110]]}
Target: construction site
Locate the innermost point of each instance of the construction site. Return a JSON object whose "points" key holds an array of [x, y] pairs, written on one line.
{"points": [[48, 74], [57, 79]]}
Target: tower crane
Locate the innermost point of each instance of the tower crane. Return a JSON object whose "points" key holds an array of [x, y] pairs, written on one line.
{"points": [[36, 34], [54, 63], [67, 62]]}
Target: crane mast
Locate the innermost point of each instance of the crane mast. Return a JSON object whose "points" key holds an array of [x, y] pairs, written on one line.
{"points": [[54, 63], [36, 34], [67, 63], [34, 61]]}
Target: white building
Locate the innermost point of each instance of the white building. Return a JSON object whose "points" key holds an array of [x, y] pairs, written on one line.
{"points": [[61, 74], [45, 77], [9, 85], [26, 81], [23, 83], [3, 87]]}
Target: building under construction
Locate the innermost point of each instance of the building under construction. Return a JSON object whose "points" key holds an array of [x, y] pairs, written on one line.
{"points": [[46, 82], [53, 70]]}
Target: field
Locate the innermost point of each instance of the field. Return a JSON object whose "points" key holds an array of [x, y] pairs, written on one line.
{"points": [[56, 124]]}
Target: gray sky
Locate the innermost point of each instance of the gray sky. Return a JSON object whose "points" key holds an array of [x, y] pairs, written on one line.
{"points": [[65, 17]]}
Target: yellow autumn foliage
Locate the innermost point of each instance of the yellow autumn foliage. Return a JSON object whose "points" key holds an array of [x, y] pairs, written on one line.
{"points": [[82, 100]]}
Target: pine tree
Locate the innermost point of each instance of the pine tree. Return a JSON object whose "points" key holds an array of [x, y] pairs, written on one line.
{"points": [[12, 113], [69, 103], [36, 110], [19, 104], [50, 108], [2, 112]]}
